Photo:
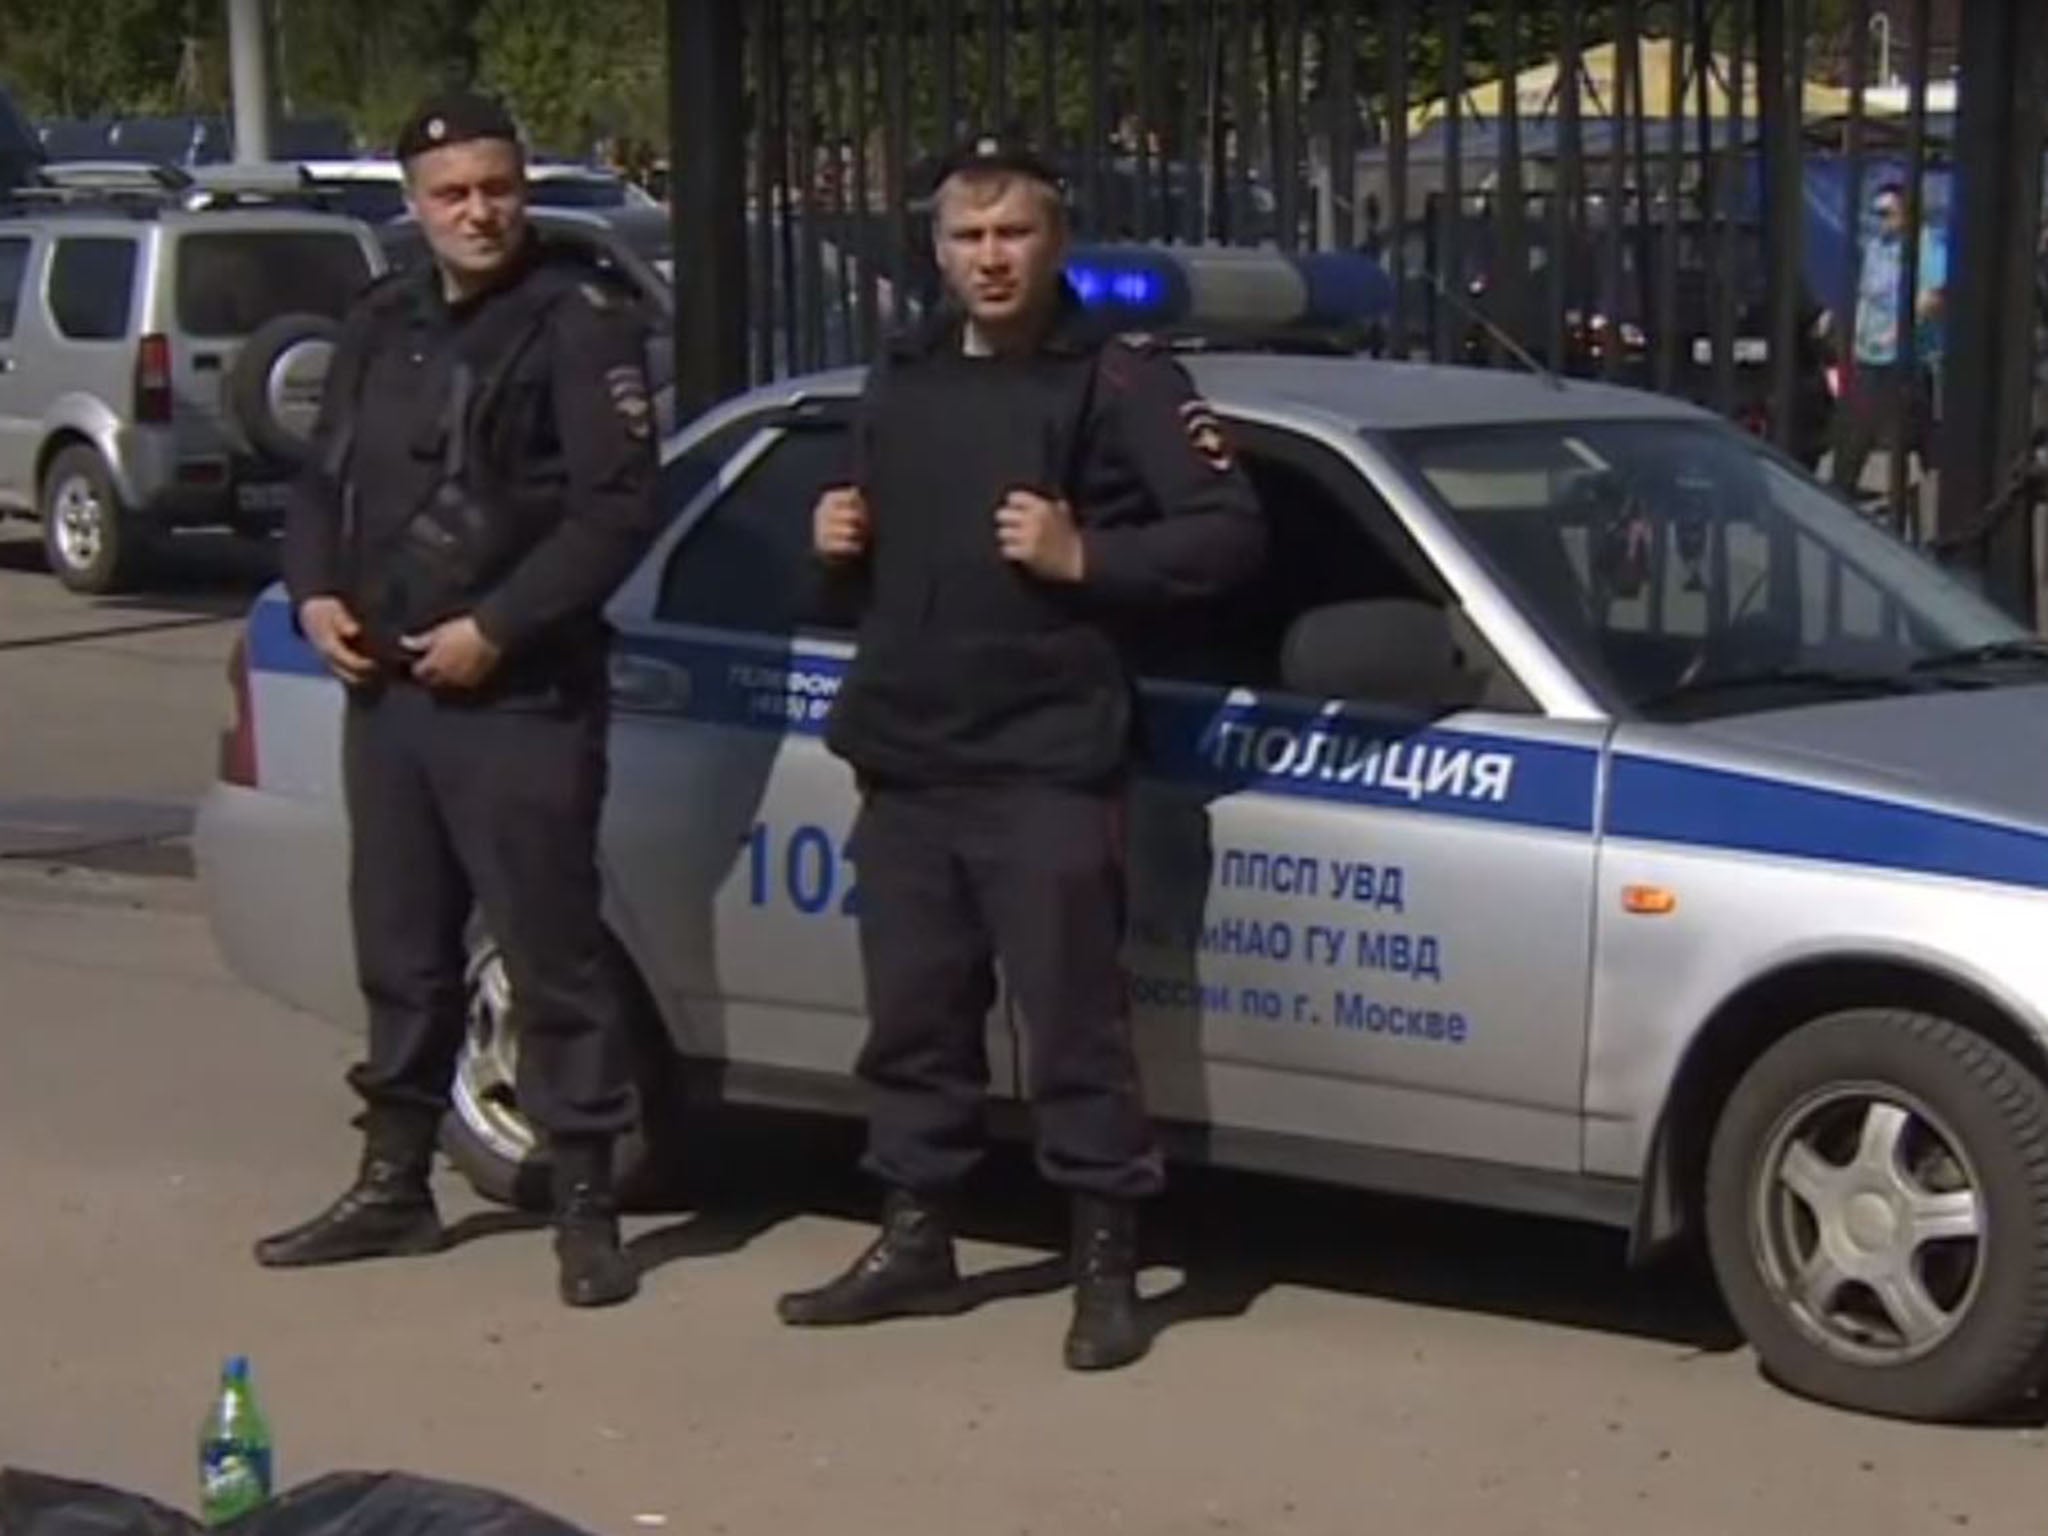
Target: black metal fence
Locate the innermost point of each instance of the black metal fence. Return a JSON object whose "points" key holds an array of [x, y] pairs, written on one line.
{"points": [[1660, 192]]}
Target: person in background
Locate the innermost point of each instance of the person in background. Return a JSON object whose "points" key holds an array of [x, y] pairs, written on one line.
{"points": [[1886, 401]]}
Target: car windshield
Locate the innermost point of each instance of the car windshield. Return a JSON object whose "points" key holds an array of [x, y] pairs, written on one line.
{"points": [[1684, 570], [405, 244], [232, 282]]}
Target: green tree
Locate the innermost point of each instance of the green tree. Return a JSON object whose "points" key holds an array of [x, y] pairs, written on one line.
{"points": [[370, 61], [575, 75], [80, 58]]}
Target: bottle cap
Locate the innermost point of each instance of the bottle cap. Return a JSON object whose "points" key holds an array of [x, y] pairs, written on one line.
{"points": [[237, 1368]]}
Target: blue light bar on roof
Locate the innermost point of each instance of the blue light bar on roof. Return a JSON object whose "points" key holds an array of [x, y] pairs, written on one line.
{"points": [[1141, 282], [1135, 289], [1229, 289]]}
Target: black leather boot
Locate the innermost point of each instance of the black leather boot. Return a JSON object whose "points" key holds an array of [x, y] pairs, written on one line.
{"points": [[595, 1269], [389, 1210], [908, 1271], [1105, 1332]]}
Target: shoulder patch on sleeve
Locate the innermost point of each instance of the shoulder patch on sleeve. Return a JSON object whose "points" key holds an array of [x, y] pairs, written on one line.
{"points": [[627, 387], [1206, 435]]}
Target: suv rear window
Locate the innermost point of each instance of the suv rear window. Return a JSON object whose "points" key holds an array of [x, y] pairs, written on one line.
{"points": [[92, 287], [232, 281]]}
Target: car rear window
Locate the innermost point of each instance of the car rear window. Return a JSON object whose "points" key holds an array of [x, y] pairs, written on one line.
{"points": [[232, 281]]}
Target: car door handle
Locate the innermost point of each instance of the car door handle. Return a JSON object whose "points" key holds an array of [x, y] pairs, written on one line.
{"points": [[6, 365], [206, 362], [648, 686]]}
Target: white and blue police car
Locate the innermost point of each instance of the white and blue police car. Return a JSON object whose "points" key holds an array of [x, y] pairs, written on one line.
{"points": [[1584, 812]]}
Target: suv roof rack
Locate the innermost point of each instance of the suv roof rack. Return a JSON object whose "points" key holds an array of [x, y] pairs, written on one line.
{"points": [[240, 186], [111, 174], [138, 188], [145, 189]]}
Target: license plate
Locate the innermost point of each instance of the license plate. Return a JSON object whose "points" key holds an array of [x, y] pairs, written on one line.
{"points": [[262, 498], [1747, 349]]}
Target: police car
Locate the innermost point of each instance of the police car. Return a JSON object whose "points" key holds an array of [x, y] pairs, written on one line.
{"points": [[1585, 812]]}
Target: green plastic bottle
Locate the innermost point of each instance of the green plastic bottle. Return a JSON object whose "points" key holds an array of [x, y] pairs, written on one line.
{"points": [[234, 1449]]}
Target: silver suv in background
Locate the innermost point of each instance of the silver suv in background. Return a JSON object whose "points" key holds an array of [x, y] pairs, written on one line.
{"points": [[160, 364]]}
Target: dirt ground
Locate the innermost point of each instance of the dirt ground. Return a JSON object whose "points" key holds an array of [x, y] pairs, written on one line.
{"points": [[1327, 1362]]}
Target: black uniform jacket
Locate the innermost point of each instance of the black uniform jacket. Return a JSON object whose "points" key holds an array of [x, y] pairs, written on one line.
{"points": [[970, 669], [564, 445]]}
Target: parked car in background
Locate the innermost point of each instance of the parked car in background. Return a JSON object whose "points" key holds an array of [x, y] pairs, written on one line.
{"points": [[1612, 309], [185, 140], [160, 363], [21, 151], [373, 189]]}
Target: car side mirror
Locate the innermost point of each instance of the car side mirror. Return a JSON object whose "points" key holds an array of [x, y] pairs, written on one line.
{"points": [[1393, 651]]}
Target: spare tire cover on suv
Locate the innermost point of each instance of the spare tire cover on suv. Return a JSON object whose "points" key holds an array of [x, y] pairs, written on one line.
{"points": [[275, 385]]}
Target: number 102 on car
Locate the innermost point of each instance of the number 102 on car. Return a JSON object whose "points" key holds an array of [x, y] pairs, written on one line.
{"points": [[806, 869]]}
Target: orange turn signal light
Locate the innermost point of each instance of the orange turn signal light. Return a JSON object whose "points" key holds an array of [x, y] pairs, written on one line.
{"points": [[1648, 900]]}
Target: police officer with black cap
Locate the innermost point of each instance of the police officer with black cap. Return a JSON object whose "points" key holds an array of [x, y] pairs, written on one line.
{"points": [[483, 477], [1027, 487]]}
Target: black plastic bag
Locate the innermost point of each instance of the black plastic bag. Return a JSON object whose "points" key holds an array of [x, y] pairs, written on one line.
{"points": [[341, 1504]]}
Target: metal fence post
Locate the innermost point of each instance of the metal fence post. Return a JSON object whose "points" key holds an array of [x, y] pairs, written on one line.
{"points": [[708, 208], [1996, 209], [1907, 519]]}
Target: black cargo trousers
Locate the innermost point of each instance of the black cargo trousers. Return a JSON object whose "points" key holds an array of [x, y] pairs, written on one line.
{"points": [[458, 806], [954, 880]]}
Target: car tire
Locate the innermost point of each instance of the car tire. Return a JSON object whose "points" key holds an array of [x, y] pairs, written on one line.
{"points": [[498, 1149], [90, 540], [275, 384], [1877, 1216]]}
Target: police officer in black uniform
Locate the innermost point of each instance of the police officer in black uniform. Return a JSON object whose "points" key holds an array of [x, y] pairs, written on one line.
{"points": [[1027, 486], [484, 477]]}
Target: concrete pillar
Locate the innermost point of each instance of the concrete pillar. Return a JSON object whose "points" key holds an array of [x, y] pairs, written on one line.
{"points": [[1996, 210], [249, 74]]}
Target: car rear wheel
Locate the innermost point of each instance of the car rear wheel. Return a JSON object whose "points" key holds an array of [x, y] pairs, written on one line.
{"points": [[89, 539], [1877, 1211], [494, 1142]]}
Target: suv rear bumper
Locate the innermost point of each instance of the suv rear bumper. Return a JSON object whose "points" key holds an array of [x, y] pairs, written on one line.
{"points": [[145, 464], [166, 483]]}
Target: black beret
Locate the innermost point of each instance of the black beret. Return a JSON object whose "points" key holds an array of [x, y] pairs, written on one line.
{"points": [[455, 118], [995, 153]]}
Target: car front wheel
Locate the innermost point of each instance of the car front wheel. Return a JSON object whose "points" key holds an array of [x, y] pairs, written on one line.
{"points": [[1877, 1211]]}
